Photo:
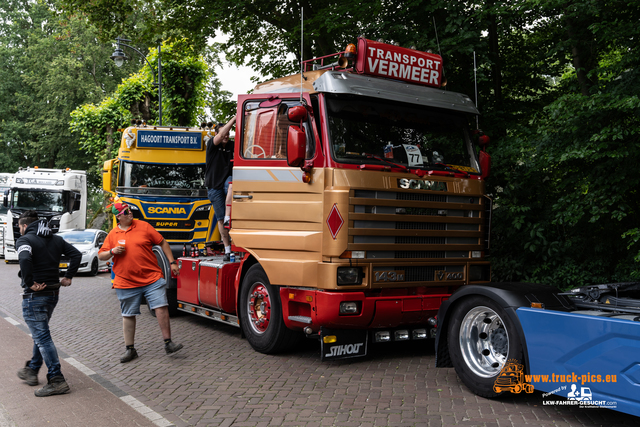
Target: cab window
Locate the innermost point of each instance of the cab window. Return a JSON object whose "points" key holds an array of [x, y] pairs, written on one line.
{"points": [[266, 129]]}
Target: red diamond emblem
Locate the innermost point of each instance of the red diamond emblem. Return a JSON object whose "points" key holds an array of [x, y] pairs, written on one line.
{"points": [[334, 221]]}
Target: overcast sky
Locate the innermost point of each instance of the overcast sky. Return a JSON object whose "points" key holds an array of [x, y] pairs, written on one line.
{"points": [[234, 79]]}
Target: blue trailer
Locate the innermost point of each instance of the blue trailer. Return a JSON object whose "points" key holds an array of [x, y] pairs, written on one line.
{"points": [[580, 347]]}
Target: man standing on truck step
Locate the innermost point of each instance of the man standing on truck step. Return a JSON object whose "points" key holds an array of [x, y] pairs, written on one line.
{"points": [[218, 178], [39, 252], [137, 274]]}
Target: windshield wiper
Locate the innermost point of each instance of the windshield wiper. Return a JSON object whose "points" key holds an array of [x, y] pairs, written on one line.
{"points": [[418, 172], [447, 167]]}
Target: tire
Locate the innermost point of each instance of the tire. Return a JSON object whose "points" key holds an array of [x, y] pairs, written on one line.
{"points": [[481, 339], [261, 314], [172, 289], [94, 267]]}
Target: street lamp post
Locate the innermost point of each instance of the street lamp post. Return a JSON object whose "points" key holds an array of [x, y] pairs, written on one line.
{"points": [[119, 57]]}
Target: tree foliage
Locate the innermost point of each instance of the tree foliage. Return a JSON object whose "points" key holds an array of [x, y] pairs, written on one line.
{"points": [[184, 76], [49, 64]]}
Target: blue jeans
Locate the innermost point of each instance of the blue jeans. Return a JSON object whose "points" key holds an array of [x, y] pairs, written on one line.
{"points": [[37, 312], [218, 199]]}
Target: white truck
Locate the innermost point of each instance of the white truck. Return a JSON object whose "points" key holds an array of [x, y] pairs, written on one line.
{"points": [[6, 179], [57, 195]]}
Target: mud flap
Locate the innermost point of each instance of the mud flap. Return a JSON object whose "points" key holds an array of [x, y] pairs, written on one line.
{"points": [[342, 343]]}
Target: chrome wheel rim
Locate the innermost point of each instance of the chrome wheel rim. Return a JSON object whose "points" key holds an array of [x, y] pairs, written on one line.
{"points": [[484, 342], [259, 308]]}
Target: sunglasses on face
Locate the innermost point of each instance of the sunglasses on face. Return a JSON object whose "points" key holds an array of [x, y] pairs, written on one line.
{"points": [[125, 212]]}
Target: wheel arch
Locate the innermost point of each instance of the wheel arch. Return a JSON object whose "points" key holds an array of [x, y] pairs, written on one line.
{"points": [[248, 262], [163, 263], [509, 296]]}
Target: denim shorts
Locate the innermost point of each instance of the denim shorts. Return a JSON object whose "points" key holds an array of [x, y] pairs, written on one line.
{"points": [[131, 298], [218, 199]]}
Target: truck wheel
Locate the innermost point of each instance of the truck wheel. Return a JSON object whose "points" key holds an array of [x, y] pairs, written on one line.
{"points": [[261, 314], [481, 340]]}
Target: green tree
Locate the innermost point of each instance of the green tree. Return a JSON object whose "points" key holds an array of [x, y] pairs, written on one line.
{"points": [[185, 78], [50, 64]]}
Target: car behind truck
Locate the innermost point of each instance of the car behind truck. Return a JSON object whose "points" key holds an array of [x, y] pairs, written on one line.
{"points": [[358, 206]]}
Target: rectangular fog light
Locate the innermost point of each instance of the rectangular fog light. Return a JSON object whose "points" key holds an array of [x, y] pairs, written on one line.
{"points": [[419, 334], [401, 335], [476, 254], [349, 307], [383, 336]]}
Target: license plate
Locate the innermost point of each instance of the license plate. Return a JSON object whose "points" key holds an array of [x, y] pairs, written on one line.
{"points": [[63, 265], [347, 343]]}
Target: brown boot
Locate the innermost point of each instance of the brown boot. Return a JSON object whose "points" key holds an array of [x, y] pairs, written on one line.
{"points": [[30, 376], [55, 385]]}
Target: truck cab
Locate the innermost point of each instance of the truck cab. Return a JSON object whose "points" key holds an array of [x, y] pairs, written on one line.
{"points": [[57, 195], [358, 203]]}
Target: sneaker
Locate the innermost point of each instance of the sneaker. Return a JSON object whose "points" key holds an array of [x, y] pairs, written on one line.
{"points": [[28, 374], [172, 347], [56, 385], [130, 354], [226, 257]]}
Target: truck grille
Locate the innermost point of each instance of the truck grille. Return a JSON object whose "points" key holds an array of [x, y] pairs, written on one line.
{"points": [[413, 225]]}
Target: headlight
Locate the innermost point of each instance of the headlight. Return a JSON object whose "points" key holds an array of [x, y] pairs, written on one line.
{"points": [[85, 252], [349, 276], [204, 208], [56, 218]]}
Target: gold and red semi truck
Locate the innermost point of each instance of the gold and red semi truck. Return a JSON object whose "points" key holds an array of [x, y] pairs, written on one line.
{"points": [[358, 206]]}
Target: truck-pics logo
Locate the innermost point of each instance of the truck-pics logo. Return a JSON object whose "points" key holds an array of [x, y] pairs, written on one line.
{"points": [[422, 184], [511, 378]]}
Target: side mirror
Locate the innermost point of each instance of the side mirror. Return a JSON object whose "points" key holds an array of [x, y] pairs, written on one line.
{"points": [[296, 146], [106, 175], [485, 164], [297, 114], [5, 201]]}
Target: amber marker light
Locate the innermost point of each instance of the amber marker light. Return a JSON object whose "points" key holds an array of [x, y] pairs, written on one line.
{"points": [[350, 51], [537, 305], [329, 339]]}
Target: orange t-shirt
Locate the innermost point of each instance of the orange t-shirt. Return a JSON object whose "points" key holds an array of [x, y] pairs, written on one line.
{"points": [[138, 265]]}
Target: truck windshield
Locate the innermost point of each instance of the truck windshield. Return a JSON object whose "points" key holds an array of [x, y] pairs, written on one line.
{"points": [[38, 200], [414, 136], [144, 178]]}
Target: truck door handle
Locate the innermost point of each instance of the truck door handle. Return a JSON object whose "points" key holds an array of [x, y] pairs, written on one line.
{"points": [[241, 196]]}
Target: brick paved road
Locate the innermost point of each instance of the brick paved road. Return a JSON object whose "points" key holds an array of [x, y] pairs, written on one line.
{"points": [[217, 379]]}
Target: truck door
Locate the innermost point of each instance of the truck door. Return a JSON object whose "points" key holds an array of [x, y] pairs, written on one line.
{"points": [[275, 215]]}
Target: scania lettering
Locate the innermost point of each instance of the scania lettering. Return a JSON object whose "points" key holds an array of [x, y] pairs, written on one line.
{"points": [[57, 195], [159, 173], [351, 191]]}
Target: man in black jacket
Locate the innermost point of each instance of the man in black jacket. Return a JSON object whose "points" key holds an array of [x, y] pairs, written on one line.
{"points": [[39, 252]]}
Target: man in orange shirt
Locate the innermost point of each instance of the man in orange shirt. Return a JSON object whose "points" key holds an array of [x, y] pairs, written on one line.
{"points": [[137, 274]]}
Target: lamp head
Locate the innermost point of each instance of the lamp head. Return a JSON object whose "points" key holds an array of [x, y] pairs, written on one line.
{"points": [[118, 57]]}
